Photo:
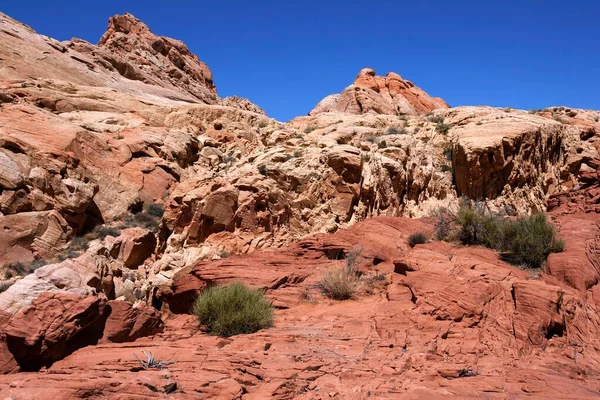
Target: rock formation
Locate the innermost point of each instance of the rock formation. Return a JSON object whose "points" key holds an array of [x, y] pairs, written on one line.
{"points": [[370, 93], [127, 186]]}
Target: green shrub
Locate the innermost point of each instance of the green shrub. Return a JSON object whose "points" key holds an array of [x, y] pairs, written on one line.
{"points": [[436, 119], [527, 240], [417, 238], [233, 309], [443, 128], [102, 231], [309, 129], [156, 210], [143, 220], [392, 130], [341, 283]]}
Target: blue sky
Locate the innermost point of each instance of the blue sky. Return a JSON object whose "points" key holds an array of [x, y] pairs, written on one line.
{"points": [[287, 55]]}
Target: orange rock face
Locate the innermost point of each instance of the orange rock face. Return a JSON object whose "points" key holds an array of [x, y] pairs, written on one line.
{"points": [[371, 93]]}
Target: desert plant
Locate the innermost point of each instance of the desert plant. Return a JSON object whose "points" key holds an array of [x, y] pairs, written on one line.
{"points": [[262, 169], [36, 264], [101, 232], [156, 210], [341, 283], [558, 118], [143, 219], [354, 257], [392, 130], [263, 123], [151, 362], [233, 309], [78, 243], [309, 129], [442, 127], [446, 168], [4, 285], [529, 240], [382, 144], [436, 119], [417, 238]]}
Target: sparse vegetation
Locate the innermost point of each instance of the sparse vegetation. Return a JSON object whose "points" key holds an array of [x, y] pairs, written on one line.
{"points": [[156, 210], [442, 128], [392, 130], [558, 119], [262, 169], [341, 283], [143, 219], [527, 240], [151, 362], [417, 238], [435, 119], [4, 285], [102, 231], [535, 111], [263, 124], [233, 309], [309, 129]]}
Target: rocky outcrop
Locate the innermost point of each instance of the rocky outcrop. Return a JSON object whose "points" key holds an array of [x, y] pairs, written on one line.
{"points": [[370, 93], [461, 317], [52, 327]]}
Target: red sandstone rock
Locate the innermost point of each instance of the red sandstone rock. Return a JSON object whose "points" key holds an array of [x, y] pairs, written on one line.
{"points": [[127, 322], [390, 95], [133, 246]]}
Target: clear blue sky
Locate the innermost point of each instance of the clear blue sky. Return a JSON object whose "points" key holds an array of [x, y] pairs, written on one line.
{"points": [[287, 55]]}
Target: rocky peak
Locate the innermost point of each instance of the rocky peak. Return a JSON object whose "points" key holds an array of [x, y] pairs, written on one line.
{"points": [[371, 93], [139, 54]]}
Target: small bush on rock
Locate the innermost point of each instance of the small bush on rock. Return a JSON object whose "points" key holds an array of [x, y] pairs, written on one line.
{"points": [[527, 240], [417, 238], [341, 283], [233, 309]]}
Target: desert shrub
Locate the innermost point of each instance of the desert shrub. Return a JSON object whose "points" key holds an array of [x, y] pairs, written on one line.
{"points": [[4, 285], [529, 240], [354, 257], [446, 168], [558, 118], [443, 128], [417, 238], [436, 119], [102, 231], [79, 243], [341, 283], [392, 130], [309, 129], [17, 268], [478, 226], [448, 151], [156, 210], [262, 169], [36, 264], [382, 144], [263, 123], [143, 220], [233, 309]]}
